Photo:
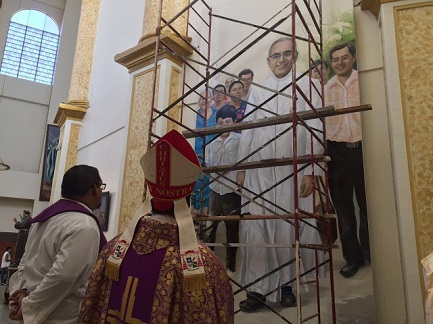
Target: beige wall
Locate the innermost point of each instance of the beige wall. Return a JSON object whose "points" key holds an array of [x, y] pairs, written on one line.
{"points": [[103, 136]]}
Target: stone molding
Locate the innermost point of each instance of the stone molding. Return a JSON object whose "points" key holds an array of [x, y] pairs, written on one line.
{"points": [[143, 54], [71, 111]]}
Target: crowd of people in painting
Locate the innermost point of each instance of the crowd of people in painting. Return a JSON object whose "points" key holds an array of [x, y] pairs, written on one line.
{"points": [[157, 270]]}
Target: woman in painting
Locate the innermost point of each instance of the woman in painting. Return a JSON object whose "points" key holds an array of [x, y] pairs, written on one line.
{"points": [[206, 117]]}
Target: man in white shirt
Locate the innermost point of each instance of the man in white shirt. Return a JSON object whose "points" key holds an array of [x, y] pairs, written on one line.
{"points": [[274, 184], [6, 262], [223, 199], [63, 244]]}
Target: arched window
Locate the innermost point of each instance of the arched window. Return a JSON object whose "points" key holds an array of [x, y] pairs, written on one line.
{"points": [[31, 47]]}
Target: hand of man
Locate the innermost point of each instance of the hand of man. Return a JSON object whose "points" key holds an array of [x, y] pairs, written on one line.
{"points": [[15, 219], [15, 305], [16, 313], [306, 186], [240, 178]]}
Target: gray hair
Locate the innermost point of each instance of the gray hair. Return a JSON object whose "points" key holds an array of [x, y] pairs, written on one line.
{"points": [[279, 40], [200, 95]]}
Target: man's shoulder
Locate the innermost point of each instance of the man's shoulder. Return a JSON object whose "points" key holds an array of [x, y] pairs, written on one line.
{"points": [[73, 219], [259, 91], [353, 77], [235, 136], [331, 83], [270, 80], [214, 144]]}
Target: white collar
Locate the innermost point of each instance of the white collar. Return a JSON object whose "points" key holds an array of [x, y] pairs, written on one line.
{"points": [[285, 78]]}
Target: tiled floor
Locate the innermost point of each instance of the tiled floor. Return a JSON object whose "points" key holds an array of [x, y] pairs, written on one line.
{"points": [[353, 298]]}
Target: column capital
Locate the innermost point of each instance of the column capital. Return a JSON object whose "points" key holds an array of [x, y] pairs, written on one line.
{"points": [[143, 53], [71, 110]]}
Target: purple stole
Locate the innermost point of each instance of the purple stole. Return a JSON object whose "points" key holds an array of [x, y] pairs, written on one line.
{"points": [[63, 206], [136, 288]]}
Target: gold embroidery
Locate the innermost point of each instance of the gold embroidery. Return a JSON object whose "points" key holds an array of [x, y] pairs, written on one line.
{"points": [[127, 304], [151, 236]]}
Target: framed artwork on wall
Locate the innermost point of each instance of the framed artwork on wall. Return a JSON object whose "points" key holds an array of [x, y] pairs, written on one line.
{"points": [[102, 213], [50, 156]]}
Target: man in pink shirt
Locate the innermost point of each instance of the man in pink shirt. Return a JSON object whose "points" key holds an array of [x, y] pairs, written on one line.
{"points": [[346, 170]]}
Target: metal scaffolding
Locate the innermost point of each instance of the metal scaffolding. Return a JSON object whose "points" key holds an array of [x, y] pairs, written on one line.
{"points": [[304, 26]]}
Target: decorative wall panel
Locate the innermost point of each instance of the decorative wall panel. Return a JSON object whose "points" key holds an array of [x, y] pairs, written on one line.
{"points": [[72, 156], [138, 134], [174, 93], [415, 47]]}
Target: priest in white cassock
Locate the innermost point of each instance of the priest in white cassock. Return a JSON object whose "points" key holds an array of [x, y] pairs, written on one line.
{"points": [[63, 245], [257, 262]]}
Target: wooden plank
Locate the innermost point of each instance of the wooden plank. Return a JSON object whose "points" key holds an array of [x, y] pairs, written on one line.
{"points": [[271, 121], [265, 163]]}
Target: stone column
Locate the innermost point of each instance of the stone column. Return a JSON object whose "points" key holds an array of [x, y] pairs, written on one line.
{"points": [[83, 60], [70, 114], [400, 242], [406, 28], [169, 10], [140, 62]]}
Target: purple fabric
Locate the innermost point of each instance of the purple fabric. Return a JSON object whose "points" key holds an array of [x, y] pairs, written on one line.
{"points": [[63, 206], [145, 269]]}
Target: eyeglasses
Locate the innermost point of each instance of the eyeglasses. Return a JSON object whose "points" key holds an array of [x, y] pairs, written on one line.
{"points": [[277, 56], [102, 185]]}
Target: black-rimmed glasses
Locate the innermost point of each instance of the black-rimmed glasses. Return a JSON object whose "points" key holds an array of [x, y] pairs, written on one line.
{"points": [[102, 185]]}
